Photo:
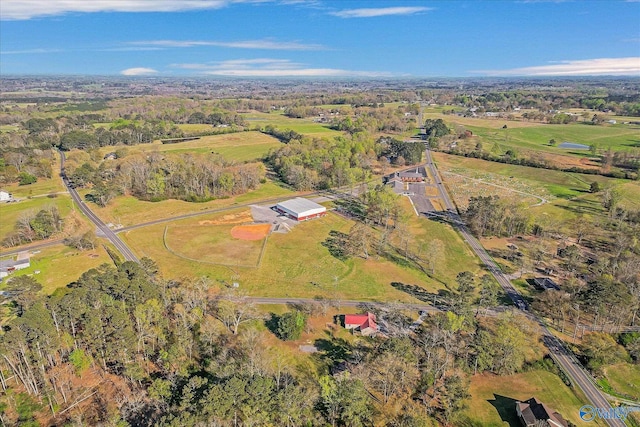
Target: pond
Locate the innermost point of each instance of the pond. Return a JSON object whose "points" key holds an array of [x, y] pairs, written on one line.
{"points": [[573, 145]]}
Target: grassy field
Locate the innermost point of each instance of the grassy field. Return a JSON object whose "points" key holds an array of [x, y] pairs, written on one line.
{"points": [[624, 378], [10, 212], [60, 265], [304, 126], [240, 146], [493, 398], [567, 193], [296, 264], [457, 256], [127, 210]]}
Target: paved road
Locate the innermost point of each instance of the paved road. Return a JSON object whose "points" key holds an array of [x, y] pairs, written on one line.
{"points": [[31, 248], [106, 231], [563, 357]]}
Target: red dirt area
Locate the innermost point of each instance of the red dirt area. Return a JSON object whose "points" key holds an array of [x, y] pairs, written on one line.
{"points": [[251, 231]]}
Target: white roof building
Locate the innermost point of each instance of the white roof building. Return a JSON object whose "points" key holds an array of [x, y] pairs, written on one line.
{"points": [[5, 196], [301, 209]]}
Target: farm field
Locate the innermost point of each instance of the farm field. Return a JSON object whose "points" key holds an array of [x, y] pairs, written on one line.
{"points": [[60, 265], [239, 146], [296, 264], [127, 210], [567, 192], [303, 126], [493, 398]]}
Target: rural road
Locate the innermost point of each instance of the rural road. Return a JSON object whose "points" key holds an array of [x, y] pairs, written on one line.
{"points": [[563, 357], [106, 231]]}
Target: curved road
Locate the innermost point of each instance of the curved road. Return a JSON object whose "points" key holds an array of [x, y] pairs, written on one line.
{"points": [[106, 231], [560, 354]]}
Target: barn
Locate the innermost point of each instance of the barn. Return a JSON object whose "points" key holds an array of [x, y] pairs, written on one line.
{"points": [[301, 209]]}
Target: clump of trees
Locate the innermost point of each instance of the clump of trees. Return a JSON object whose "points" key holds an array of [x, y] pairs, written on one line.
{"points": [[157, 177], [492, 216], [33, 226]]}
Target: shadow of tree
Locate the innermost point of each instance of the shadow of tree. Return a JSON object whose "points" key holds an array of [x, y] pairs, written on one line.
{"points": [[333, 350], [337, 244], [506, 408], [442, 298]]}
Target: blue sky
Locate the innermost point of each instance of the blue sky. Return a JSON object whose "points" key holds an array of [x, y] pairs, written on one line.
{"points": [[272, 38]]}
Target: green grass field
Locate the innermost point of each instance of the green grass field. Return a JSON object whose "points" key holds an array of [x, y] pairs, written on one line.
{"points": [[624, 378], [60, 265], [493, 398], [295, 264], [303, 126], [240, 146], [127, 210], [10, 212]]}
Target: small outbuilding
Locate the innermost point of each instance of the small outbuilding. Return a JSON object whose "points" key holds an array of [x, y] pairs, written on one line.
{"points": [[545, 283], [5, 196], [301, 209], [9, 266]]}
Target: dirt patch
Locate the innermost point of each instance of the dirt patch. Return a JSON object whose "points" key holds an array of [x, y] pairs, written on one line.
{"points": [[237, 218], [251, 231]]}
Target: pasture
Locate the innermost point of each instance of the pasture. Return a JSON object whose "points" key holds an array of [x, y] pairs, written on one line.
{"points": [[624, 378], [493, 398], [239, 146], [303, 126]]}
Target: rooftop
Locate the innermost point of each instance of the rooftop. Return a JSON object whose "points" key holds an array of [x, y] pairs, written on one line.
{"points": [[300, 204]]}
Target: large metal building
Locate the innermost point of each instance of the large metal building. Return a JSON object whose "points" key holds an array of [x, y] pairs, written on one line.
{"points": [[301, 209]]}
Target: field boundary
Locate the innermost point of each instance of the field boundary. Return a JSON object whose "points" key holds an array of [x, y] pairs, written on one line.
{"points": [[173, 252]]}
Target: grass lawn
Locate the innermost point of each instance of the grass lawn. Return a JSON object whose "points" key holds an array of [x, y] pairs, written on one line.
{"points": [[60, 265], [240, 146], [10, 212], [127, 210], [624, 378], [295, 264], [493, 398]]}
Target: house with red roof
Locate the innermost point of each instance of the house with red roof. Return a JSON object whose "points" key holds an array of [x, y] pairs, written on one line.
{"points": [[363, 323]]}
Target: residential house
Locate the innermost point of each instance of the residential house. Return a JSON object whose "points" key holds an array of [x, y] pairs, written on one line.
{"points": [[9, 266], [533, 413], [363, 323]]}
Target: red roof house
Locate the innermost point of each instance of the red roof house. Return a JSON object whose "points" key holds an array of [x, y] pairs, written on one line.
{"points": [[364, 323]]}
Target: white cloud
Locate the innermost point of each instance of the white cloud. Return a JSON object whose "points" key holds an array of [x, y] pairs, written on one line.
{"points": [[586, 67], [29, 51], [268, 67], [243, 44], [27, 9], [138, 71], [382, 11]]}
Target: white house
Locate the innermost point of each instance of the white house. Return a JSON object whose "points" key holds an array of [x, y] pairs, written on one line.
{"points": [[9, 266]]}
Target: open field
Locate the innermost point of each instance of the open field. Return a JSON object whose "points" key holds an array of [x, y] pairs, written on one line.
{"points": [[457, 256], [303, 126], [10, 212], [60, 265], [240, 146], [127, 210], [624, 378], [493, 398], [296, 264], [568, 193]]}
